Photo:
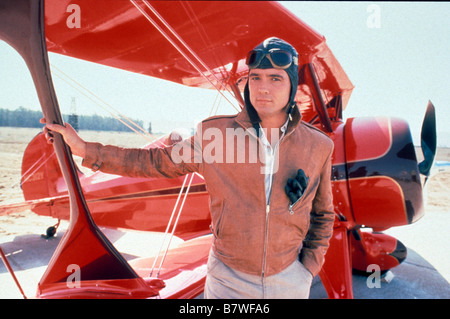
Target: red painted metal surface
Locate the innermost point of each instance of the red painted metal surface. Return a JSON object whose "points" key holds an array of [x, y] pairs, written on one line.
{"points": [[376, 249], [336, 273], [383, 177], [367, 138], [184, 267], [372, 204]]}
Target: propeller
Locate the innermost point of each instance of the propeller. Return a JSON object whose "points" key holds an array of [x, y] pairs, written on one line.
{"points": [[428, 140]]}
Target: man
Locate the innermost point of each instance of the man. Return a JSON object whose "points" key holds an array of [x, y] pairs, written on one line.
{"points": [[271, 217]]}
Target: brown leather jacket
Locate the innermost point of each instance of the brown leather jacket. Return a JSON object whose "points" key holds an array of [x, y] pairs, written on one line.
{"points": [[249, 235]]}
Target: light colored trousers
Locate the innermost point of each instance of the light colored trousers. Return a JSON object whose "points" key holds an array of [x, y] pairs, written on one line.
{"points": [[223, 282]]}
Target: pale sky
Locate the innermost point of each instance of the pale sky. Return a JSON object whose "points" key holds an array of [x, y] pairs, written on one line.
{"points": [[395, 54]]}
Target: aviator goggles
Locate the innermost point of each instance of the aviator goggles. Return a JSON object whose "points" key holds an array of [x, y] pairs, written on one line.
{"points": [[278, 58]]}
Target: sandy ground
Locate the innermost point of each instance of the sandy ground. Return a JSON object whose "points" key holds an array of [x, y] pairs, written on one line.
{"points": [[430, 248]]}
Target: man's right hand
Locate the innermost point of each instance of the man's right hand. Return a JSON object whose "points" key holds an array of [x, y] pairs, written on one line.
{"points": [[71, 137]]}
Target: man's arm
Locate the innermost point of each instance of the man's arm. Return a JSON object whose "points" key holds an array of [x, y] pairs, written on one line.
{"points": [[322, 218], [172, 161], [137, 162]]}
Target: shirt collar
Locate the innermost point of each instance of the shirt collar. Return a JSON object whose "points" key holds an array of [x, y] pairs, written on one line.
{"points": [[283, 129]]}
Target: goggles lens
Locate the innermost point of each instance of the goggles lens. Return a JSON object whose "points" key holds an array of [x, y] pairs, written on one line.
{"points": [[280, 59]]}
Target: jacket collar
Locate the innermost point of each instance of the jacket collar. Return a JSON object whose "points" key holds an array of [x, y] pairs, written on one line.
{"points": [[243, 119]]}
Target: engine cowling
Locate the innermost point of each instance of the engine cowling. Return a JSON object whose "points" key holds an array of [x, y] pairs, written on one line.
{"points": [[383, 175]]}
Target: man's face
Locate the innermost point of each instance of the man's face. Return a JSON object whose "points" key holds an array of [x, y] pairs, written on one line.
{"points": [[269, 91]]}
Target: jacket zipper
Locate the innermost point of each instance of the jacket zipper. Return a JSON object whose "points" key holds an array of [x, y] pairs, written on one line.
{"points": [[291, 211], [266, 230], [265, 240]]}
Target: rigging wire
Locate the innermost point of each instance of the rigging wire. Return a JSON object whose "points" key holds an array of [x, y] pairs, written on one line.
{"points": [[215, 106], [98, 98], [32, 167], [169, 223], [147, 16], [176, 223], [203, 35], [103, 104], [188, 48]]}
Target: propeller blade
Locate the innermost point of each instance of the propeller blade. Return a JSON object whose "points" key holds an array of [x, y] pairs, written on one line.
{"points": [[428, 140]]}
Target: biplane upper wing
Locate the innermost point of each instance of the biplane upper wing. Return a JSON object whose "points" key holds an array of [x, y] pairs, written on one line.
{"points": [[214, 35], [133, 35]]}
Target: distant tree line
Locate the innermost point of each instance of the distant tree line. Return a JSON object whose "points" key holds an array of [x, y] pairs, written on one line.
{"points": [[22, 117]]}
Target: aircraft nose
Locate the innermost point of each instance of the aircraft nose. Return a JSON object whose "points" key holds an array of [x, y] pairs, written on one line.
{"points": [[400, 252]]}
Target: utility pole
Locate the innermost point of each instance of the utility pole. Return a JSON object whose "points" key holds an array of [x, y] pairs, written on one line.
{"points": [[73, 117]]}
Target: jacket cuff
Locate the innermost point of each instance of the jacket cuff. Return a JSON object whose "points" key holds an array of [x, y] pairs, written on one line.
{"points": [[92, 158]]}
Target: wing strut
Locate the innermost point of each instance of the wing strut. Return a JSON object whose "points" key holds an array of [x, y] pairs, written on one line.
{"points": [[172, 41], [318, 100], [84, 246]]}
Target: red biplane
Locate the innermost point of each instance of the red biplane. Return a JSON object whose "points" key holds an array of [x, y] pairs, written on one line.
{"points": [[377, 181]]}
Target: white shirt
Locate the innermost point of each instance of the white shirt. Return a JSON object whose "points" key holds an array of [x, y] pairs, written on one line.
{"points": [[269, 158]]}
